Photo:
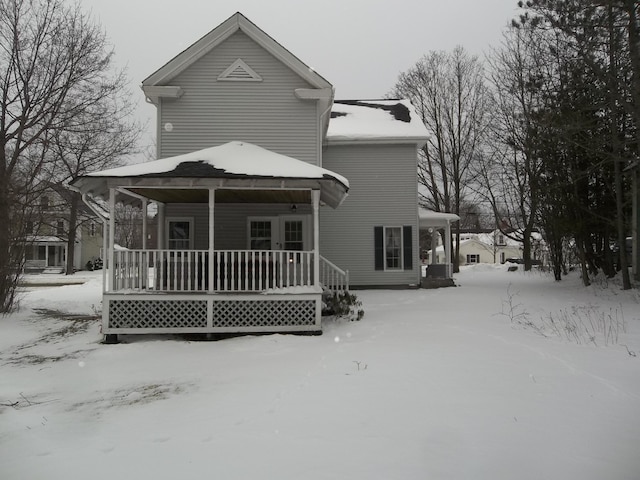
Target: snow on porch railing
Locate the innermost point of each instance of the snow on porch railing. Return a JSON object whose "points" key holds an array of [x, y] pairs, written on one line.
{"points": [[333, 277], [232, 270]]}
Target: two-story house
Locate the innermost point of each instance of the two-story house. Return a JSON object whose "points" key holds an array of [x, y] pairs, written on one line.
{"points": [[268, 190], [47, 233]]}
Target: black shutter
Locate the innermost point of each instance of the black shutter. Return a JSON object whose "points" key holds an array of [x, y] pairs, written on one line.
{"points": [[378, 247], [407, 239]]}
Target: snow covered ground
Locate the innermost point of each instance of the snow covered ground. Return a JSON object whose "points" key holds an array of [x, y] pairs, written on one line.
{"points": [[509, 376]]}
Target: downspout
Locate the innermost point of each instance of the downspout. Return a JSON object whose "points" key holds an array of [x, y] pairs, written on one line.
{"points": [[321, 125]]}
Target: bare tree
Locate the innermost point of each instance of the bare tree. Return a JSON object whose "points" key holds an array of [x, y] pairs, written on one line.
{"points": [[54, 66], [99, 138], [449, 93], [511, 167]]}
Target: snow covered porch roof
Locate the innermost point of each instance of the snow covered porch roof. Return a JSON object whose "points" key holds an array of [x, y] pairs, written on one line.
{"points": [[429, 218], [267, 177]]}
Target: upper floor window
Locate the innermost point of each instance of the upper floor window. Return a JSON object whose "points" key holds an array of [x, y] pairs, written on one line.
{"points": [[44, 202], [60, 228], [92, 229]]}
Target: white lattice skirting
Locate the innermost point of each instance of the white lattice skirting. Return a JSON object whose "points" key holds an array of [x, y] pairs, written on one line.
{"points": [[210, 314]]}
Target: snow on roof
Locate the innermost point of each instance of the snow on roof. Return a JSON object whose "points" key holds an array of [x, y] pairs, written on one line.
{"points": [[429, 218], [45, 239], [375, 120], [233, 159]]}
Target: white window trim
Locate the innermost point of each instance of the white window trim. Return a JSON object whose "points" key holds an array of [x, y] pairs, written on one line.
{"points": [[384, 248]]}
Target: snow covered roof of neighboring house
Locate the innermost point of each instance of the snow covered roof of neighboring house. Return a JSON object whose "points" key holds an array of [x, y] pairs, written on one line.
{"points": [[44, 239], [375, 121], [233, 161]]}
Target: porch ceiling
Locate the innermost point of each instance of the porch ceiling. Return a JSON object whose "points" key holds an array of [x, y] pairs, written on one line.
{"points": [[176, 195]]}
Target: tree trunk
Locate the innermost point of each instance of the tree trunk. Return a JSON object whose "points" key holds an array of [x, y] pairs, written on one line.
{"points": [[72, 231], [6, 277], [615, 143]]}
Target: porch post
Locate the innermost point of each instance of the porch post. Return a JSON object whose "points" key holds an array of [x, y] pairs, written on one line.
{"points": [[144, 223], [112, 236], [103, 256], [434, 245], [160, 226], [447, 249], [315, 200], [212, 202]]}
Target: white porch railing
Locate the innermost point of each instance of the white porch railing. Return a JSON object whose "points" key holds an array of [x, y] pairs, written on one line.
{"points": [[230, 271], [333, 277]]}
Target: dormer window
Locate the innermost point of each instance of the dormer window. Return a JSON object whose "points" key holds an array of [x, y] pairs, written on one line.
{"points": [[239, 71]]}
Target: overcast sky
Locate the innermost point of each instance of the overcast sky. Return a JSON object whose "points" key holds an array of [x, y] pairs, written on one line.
{"points": [[360, 46]]}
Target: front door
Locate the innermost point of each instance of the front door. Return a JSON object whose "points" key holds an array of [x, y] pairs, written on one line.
{"points": [[285, 232]]}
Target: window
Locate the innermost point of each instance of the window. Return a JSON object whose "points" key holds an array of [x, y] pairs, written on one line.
{"points": [[502, 257], [501, 239], [179, 233], [473, 258], [60, 228], [260, 234], [92, 229], [44, 202], [293, 235], [393, 248]]}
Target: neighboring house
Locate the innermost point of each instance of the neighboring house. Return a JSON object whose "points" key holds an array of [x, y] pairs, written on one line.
{"points": [[268, 192], [492, 247], [47, 238]]}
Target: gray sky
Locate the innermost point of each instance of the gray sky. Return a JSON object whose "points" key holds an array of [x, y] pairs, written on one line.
{"points": [[360, 46]]}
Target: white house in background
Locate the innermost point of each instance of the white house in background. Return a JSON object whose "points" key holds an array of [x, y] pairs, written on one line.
{"points": [[493, 247], [47, 243], [268, 191]]}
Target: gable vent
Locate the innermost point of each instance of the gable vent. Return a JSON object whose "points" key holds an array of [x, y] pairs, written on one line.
{"points": [[239, 71]]}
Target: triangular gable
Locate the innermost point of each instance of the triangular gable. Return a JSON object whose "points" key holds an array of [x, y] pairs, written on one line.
{"points": [[216, 36], [239, 71]]}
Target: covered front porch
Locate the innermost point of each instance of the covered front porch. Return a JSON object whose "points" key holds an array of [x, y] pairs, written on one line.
{"points": [[438, 274], [237, 251]]}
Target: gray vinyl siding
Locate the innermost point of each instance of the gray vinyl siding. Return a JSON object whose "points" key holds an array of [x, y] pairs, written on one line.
{"points": [[383, 192], [230, 221], [212, 112]]}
